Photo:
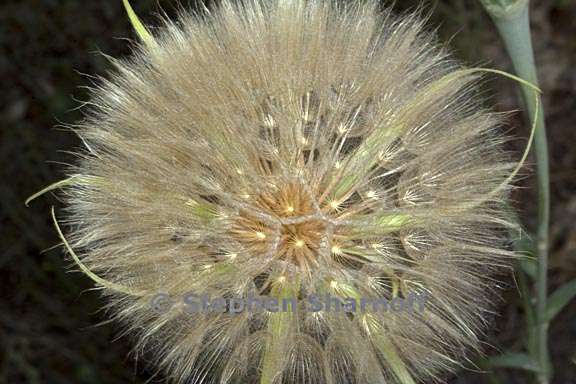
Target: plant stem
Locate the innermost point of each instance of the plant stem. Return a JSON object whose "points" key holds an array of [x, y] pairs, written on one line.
{"points": [[512, 21]]}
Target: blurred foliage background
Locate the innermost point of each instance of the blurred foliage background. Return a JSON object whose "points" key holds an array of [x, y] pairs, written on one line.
{"points": [[51, 327]]}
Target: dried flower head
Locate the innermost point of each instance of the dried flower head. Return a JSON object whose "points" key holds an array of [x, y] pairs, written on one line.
{"points": [[288, 149]]}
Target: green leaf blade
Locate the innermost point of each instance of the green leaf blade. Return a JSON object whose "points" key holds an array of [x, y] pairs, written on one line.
{"points": [[559, 299], [514, 360], [140, 29]]}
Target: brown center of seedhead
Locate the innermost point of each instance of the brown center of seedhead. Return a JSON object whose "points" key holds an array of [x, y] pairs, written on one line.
{"points": [[284, 224]]}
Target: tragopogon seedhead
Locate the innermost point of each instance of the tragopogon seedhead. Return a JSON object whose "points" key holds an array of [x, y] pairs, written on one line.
{"points": [[288, 149]]}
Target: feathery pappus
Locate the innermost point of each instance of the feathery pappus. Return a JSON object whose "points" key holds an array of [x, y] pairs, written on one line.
{"points": [[285, 149]]}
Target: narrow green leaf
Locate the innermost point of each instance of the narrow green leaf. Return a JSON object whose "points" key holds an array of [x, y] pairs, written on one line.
{"points": [[381, 340], [559, 299], [514, 360], [97, 279], [389, 352], [203, 211], [525, 246], [278, 328], [524, 243], [62, 183], [529, 267], [140, 29]]}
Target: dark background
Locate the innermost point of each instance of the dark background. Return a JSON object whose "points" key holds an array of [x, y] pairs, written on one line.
{"points": [[48, 315]]}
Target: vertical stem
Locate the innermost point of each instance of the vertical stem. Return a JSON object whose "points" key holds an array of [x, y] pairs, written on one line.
{"points": [[513, 24]]}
